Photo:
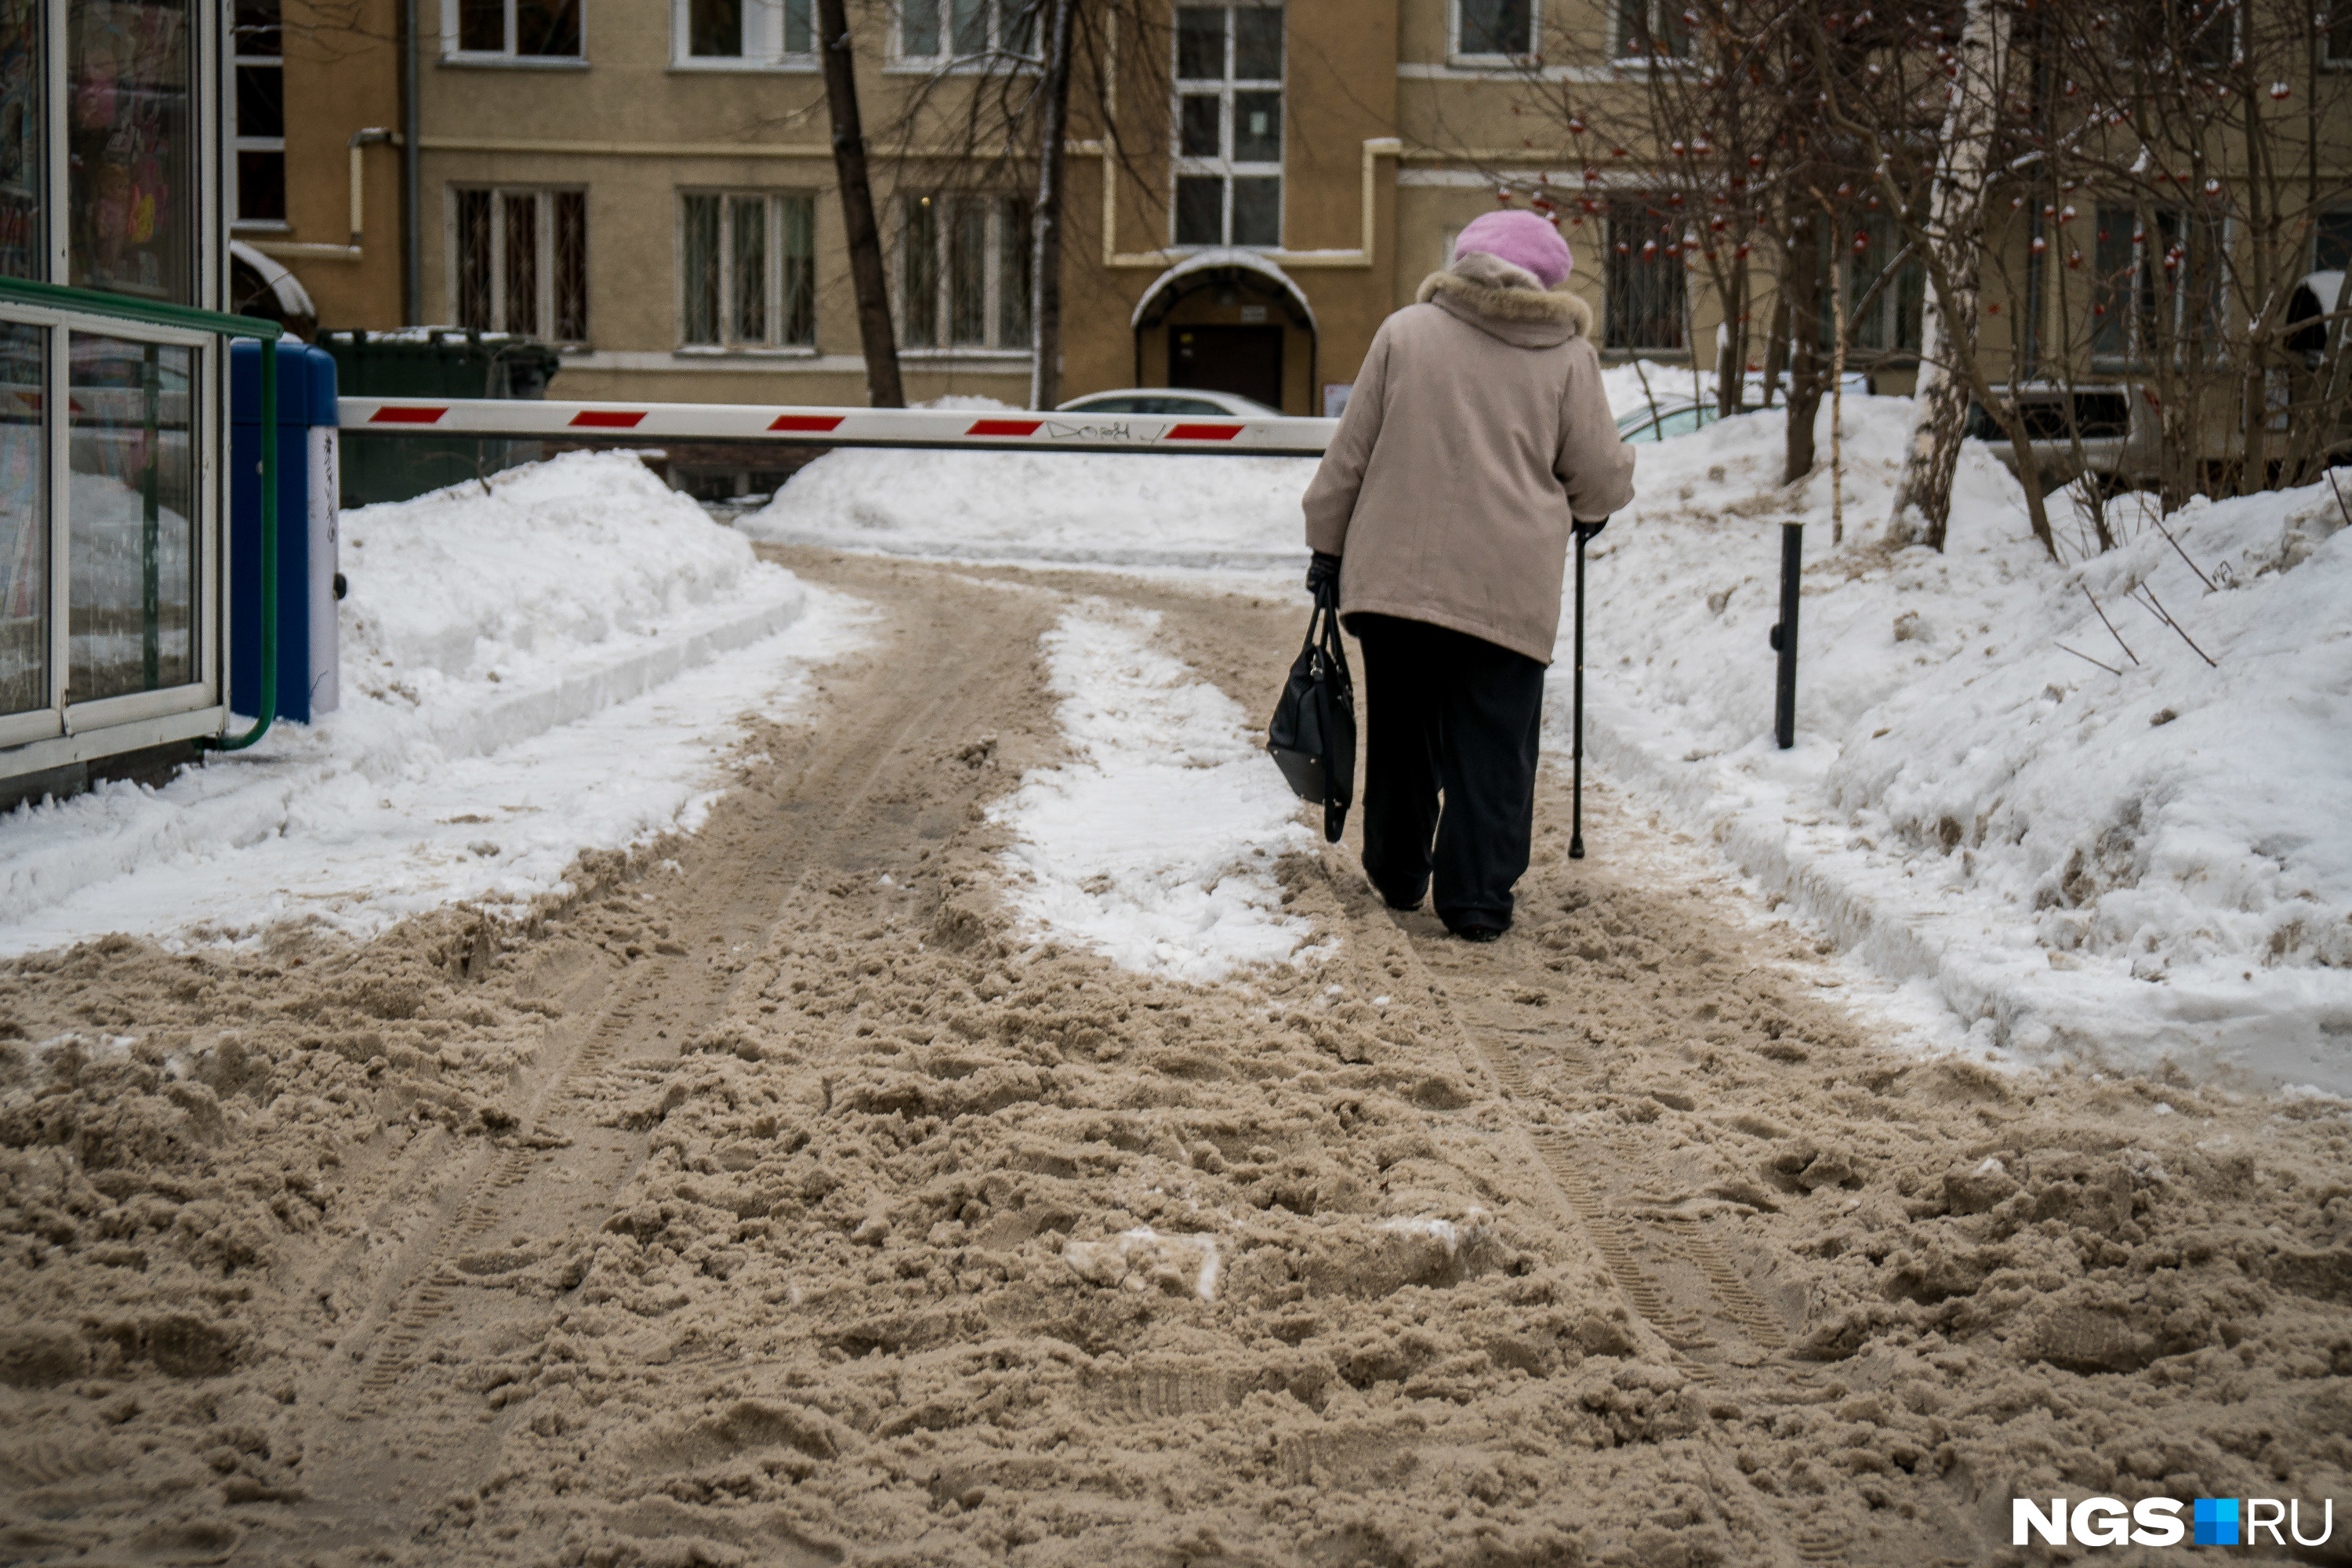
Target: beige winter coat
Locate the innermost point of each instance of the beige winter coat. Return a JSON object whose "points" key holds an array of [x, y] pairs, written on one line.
{"points": [[1476, 430]]}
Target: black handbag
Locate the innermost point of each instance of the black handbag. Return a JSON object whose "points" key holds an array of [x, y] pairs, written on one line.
{"points": [[1312, 735]]}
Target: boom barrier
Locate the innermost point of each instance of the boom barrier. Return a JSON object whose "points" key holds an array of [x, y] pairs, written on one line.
{"points": [[1010, 430]]}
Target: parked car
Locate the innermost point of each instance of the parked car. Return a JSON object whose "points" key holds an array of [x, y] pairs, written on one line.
{"points": [[1679, 414], [1657, 422], [2102, 431], [1178, 402]]}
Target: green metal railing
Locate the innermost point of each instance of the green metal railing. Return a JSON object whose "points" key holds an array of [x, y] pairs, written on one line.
{"points": [[148, 313]]}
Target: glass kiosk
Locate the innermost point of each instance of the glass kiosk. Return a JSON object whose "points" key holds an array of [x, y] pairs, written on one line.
{"points": [[112, 422]]}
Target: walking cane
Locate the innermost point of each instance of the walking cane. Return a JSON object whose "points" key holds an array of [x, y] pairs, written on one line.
{"points": [[1576, 789]]}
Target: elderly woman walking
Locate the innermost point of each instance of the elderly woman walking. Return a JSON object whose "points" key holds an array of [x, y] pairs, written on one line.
{"points": [[1476, 442]]}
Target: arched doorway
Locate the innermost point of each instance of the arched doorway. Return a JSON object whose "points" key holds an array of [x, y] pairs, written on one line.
{"points": [[1229, 321]]}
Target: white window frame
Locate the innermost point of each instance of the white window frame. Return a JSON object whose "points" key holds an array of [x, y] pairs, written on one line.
{"points": [[2146, 254], [772, 209], [1455, 54], [945, 59], [544, 219], [240, 143], [1224, 166], [992, 282], [763, 41], [1620, 53], [451, 54]]}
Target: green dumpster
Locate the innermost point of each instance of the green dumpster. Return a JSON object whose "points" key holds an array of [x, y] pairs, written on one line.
{"points": [[432, 362]]}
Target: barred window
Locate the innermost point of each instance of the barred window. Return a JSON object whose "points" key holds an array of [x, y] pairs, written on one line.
{"points": [[2157, 287], [747, 269], [1644, 282], [1652, 29], [963, 272], [521, 262]]}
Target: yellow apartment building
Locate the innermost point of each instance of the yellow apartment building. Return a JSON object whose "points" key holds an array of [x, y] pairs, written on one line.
{"points": [[312, 168], [648, 183]]}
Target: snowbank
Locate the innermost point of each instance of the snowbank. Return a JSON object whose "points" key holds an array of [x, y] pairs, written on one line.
{"points": [[527, 673], [1156, 845], [2143, 866], [1058, 507]]}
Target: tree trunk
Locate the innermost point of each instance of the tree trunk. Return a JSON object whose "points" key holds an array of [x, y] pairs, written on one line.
{"points": [[865, 269], [1045, 222], [1801, 282], [1955, 219], [1776, 345], [1731, 348]]}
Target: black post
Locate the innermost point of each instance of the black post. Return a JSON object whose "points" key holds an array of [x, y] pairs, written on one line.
{"points": [[1784, 636], [1576, 747]]}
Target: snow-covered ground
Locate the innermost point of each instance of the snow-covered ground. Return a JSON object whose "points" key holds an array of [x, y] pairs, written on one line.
{"points": [[1048, 507], [2143, 865], [552, 667], [1155, 845]]}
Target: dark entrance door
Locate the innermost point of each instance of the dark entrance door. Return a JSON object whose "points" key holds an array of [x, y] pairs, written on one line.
{"points": [[1245, 360]]}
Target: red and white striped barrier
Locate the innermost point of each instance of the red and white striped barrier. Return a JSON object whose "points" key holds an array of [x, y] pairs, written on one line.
{"points": [[1009, 431]]}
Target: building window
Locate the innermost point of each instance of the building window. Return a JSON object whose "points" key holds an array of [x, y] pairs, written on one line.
{"points": [[2155, 286], [1228, 125], [1885, 321], [2336, 34], [1494, 28], [257, 114], [512, 29], [963, 272], [2200, 33], [1652, 29], [744, 32], [521, 262], [937, 31], [1644, 283], [2331, 247], [747, 267]]}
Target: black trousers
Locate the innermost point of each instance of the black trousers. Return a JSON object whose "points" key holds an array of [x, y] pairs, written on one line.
{"points": [[1454, 715]]}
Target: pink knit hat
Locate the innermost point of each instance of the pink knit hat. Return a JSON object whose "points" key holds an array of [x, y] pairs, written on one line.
{"points": [[1521, 238]]}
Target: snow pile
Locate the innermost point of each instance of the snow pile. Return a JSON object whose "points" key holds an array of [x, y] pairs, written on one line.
{"points": [[526, 674], [2140, 864], [1156, 844], [1095, 508]]}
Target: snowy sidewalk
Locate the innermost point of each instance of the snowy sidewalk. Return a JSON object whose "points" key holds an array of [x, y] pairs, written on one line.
{"points": [[554, 667], [2142, 867]]}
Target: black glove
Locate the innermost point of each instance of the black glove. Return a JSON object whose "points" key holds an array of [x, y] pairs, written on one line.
{"points": [[1586, 532], [1322, 570]]}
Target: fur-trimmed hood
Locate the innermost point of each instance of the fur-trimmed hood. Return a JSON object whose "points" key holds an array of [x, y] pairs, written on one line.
{"points": [[1506, 301]]}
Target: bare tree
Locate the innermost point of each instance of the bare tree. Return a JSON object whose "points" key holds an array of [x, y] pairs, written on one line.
{"points": [[994, 119], [1045, 215], [875, 331], [1953, 234]]}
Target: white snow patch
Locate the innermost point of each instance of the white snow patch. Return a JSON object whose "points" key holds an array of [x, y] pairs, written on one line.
{"points": [[526, 674], [1444, 1232], [1142, 1259], [2134, 869], [1156, 844], [1131, 510]]}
